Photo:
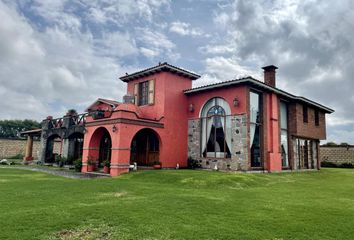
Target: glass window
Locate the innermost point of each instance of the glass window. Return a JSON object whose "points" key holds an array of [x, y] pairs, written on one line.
{"points": [[284, 134], [143, 93], [216, 129], [317, 118], [305, 113], [255, 129]]}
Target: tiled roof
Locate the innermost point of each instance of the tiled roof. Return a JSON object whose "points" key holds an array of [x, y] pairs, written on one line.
{"points": [[259, 84], [160, 68]]}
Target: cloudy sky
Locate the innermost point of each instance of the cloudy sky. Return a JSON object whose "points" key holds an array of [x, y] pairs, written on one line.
{"points": [[61, 54]]}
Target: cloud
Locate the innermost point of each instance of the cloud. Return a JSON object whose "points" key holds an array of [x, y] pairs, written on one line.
{"points": [[185, 29]]}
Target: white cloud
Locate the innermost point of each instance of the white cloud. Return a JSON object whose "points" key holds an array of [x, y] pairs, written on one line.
{"points": [[185, 29]]}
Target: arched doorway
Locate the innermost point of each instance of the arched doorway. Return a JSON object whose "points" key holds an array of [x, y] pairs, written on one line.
{"points": [[76, 143], [100, 147], [53, 148], [145, 148], [105, 149]]}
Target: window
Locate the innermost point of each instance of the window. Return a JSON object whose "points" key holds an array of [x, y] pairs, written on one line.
{"points": [[284, 134], [305, 113], [216, 129], [317, 118], [143, 93], [255, 129]]}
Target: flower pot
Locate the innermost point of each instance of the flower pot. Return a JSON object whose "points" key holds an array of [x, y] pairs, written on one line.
{"points": [[106, 169], [157, 166], [90, 168]]}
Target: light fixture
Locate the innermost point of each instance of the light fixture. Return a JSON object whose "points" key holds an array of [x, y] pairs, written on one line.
{"points": [[84, 131], [114, 128], [236, 102], [191, 107]]}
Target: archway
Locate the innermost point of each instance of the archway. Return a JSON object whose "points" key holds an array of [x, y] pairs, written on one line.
{"points": [[145, 148], [53, 148], [100, 147], [76, 142]]}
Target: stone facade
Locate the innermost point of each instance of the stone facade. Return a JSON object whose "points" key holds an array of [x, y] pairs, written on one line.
{"points": [[337, 154], [239, 158], [11, 147]]}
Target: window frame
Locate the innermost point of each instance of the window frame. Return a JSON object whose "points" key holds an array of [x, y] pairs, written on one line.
{"points": [[260, 125], [143, 99]]}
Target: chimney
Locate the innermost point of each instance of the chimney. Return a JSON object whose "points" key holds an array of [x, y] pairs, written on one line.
{"points": [[269, 75]]}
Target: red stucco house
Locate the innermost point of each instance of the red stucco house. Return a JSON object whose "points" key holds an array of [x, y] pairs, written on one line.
{"points": [[238, 125]]}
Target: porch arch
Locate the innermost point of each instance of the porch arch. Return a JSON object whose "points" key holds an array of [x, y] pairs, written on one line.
{"points": [[145, 147], [53, 148], [100, 147]]}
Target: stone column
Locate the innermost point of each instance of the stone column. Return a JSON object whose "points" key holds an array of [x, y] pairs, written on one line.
{"points": [[29, 148]]}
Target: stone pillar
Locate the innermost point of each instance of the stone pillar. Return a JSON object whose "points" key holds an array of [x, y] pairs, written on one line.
{"points": [[29, 148]]}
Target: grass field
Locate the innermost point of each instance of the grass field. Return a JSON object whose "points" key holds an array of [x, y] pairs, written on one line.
{"points": [[178, 204]]}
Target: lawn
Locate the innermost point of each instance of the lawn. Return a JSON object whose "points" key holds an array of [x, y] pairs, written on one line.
{"points": [[178, 204]]}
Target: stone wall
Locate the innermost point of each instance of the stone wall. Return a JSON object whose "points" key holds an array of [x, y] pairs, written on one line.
{"points": [[337, 154], [10, 148], [239, 158]]}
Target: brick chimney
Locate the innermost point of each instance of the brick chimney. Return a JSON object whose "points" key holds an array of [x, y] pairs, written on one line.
{"points": [[269, 75]]}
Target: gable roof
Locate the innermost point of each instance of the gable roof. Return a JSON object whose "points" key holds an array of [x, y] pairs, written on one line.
{"points": [[162, 67], [261, 85], [112, 103]]}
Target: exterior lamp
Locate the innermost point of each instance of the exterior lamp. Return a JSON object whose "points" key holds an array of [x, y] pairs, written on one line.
{"points": [[191, 107], [84, 131], [114, 128], [236, 102]]}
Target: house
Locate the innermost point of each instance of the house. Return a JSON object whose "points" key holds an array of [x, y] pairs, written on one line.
{"points": [[238, 125]]}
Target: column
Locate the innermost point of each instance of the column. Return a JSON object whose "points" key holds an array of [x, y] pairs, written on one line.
{"points": [[29, 148]]}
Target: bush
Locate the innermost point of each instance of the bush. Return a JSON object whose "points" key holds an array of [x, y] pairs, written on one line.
{"points": [[328, 164], [334, 165], [78, 165], [346, 165], [17, 156], [193, 164]]}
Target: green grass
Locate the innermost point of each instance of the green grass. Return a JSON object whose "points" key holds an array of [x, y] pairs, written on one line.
{"points": [[183, 204]]}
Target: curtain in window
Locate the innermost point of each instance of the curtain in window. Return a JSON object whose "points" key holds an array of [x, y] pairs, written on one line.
{"points": [[254, 109], [205, 125]]}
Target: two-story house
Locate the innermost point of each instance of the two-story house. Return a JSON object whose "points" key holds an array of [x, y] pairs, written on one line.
{"points": [[237, 125]]}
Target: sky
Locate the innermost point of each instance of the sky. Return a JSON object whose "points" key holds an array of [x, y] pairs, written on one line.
{"points": [[61, 54]]}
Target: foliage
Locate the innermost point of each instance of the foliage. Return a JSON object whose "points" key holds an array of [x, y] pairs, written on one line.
{"points": [[78, 164], [91, 161], [334, 165], [193, 163], [61, 161], [107, 163], [13, 128], [179, 204], [330, 144], [17, 156], [72, 112]]}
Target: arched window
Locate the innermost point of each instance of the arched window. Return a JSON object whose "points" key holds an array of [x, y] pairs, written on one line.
{"points": [[216, 129]]}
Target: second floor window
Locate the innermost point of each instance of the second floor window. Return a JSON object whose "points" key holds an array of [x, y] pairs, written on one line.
{"points": [[317, 118], [305, 113], [143, 93]]}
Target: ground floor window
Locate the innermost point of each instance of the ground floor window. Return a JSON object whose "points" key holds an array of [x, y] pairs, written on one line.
{"points": [[306, 153]]}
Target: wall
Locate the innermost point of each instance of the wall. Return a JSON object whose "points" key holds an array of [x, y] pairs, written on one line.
{"points": [[297, 127], [337, 154], [9, 148]]}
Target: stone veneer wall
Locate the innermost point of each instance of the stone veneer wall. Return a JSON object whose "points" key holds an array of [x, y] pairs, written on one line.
{"points": [[337, 154], [239, 158], [12, 147]]}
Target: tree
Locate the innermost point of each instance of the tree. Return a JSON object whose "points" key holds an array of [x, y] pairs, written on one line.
{"points": [[13, 128]]}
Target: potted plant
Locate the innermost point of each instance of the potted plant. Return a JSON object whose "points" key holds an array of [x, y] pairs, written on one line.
{"points": [[91, 164], [157, 165], [106, 166]]}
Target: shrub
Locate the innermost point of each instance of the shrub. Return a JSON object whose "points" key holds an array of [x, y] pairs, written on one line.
{"points": [[17, 156], [346, 165], [78, 164], [328, 164], [193, 164]]}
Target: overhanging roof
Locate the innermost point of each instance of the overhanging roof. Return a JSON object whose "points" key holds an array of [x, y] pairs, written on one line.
{"points": [[254, 82], [37, 131], [112, 103], [162, 67]]}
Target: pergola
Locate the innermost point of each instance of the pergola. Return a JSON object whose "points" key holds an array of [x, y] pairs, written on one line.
{"points": [[29, 147]]}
